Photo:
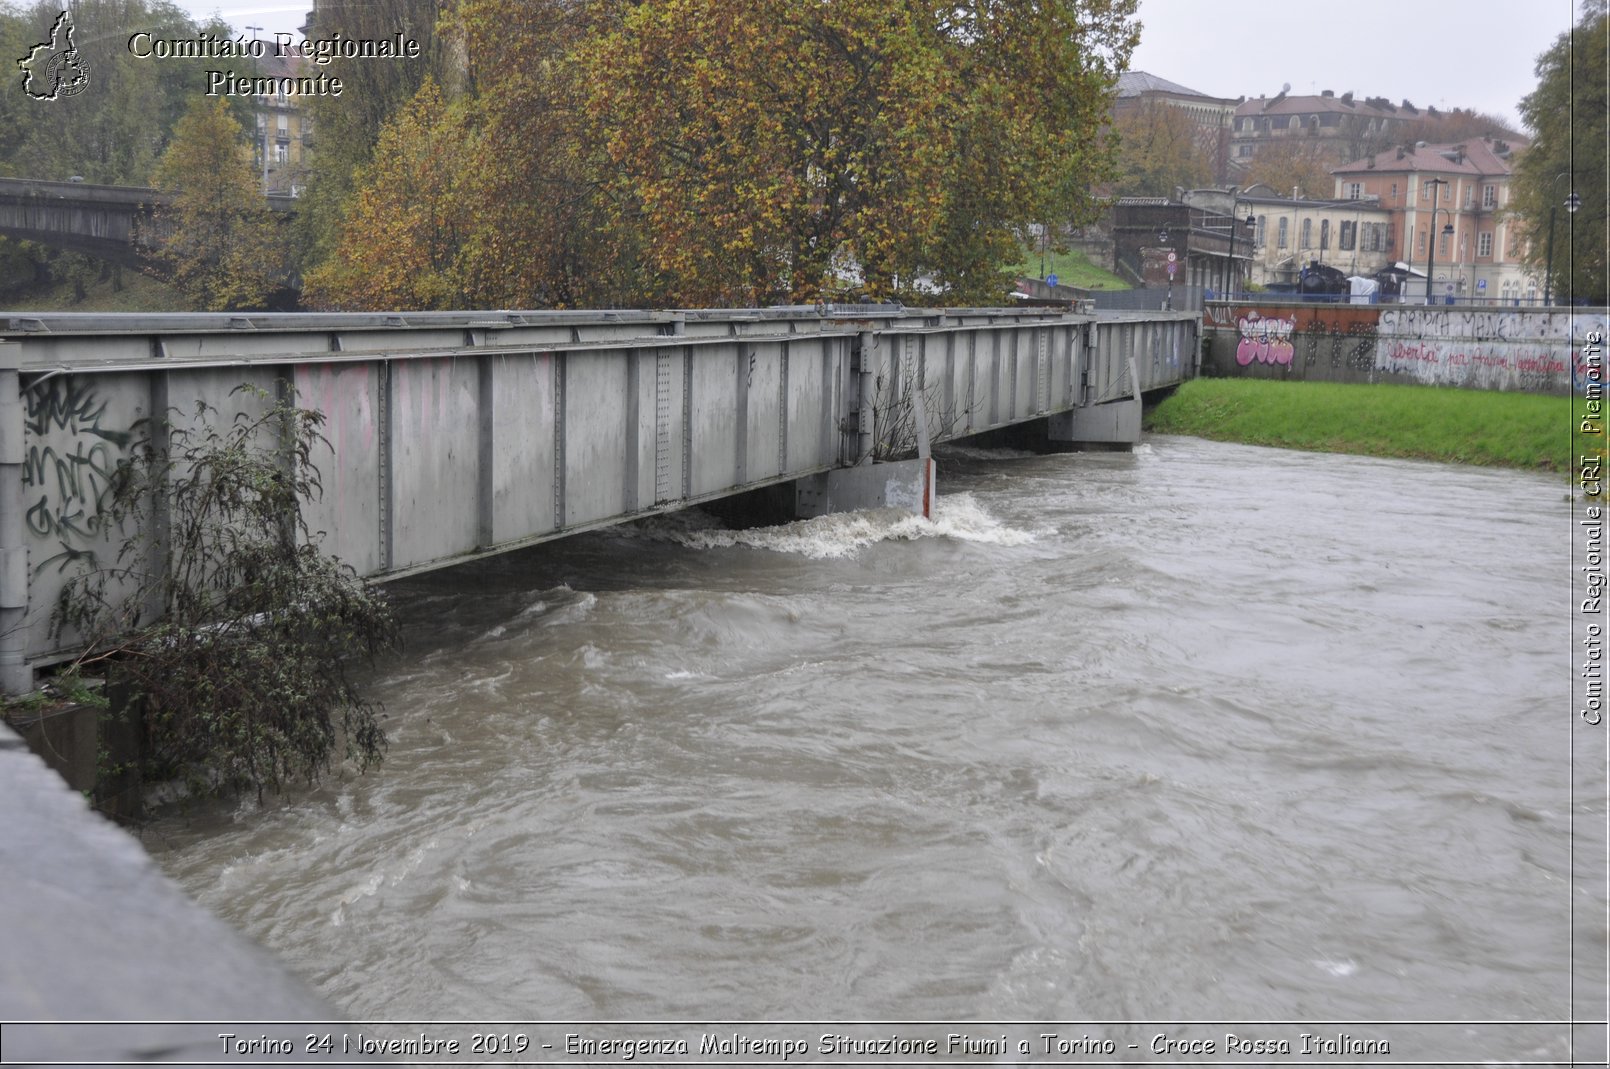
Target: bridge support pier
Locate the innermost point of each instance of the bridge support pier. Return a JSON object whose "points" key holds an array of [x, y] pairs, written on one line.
{"points": [[1114, 425], [902, 484]]}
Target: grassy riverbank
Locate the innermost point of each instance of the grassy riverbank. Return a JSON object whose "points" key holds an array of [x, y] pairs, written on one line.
{"points": [[1517, 430]]}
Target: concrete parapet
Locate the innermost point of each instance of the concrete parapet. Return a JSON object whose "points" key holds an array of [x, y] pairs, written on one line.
{"points": [[97, 933]]}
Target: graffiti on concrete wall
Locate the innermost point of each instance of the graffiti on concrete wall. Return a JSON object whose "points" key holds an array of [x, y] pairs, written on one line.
{"points": [[1480, 324], [1264, 339], [1479, 348], [67, 473], [1485, 348], [1488, 365]]}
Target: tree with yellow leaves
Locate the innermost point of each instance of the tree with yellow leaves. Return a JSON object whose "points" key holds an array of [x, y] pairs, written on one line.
{"points": [[721, 152], [216, 239], [403, 242], [780, 151]]}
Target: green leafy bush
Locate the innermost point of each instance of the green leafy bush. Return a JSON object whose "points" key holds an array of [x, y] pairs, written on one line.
{"points": [[233, 632]]}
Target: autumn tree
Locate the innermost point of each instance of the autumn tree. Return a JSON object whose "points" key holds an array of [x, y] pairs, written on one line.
{"points": [[217, 239], [1287, 162], [1567, 112], [719, 152], [111, 141], [347, 126], [404, 243], [777, 151], [562, 236], [1461, 124], [1159, 149]]}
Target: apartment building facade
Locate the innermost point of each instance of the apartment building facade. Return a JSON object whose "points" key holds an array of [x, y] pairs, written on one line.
{"points": [[1447, 206], [1337, 128]]}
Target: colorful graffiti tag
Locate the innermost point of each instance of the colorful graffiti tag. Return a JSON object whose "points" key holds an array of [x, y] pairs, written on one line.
{"points": [[1265, 339]]}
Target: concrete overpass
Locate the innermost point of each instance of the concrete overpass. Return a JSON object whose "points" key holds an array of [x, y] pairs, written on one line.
{"points": [[457, 435], [109, 222]]}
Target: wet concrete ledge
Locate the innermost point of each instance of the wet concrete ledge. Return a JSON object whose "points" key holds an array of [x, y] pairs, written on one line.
{"points": [[95, 932]]}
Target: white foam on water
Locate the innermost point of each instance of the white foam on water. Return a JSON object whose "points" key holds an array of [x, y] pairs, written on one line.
{"points": [[844, 534]]}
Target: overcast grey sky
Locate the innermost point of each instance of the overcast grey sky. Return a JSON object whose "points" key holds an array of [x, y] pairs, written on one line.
{"points": [[1478, 54], [1472, 54]]}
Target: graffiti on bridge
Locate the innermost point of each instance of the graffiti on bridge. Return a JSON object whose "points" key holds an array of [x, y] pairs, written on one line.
{"points": [[67, 473], [1266, 340]]}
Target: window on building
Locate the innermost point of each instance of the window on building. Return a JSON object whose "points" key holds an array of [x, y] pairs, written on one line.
{"points": [[1280, 234], [1420, 242], [1394, 191], [282, 152], [1347, 235], [283, 124], [1355, 190], [1484, 243], [1294, 123], [1489, 196], [1324, 234], [1308, 234], [1443, 245], [1260, 236]]}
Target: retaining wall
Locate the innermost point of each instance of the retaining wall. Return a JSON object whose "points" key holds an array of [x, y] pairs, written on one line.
{"points": [[1482, 348]]}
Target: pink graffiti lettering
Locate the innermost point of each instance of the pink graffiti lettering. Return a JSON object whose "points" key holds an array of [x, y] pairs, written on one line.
{"points": [[1268, 341]]}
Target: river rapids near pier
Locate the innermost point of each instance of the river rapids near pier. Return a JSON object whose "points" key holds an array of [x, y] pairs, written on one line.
{"points": [[1205, 732]]}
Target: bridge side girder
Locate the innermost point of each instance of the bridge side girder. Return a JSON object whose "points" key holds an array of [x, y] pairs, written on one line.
{"points": [[455, 437]]}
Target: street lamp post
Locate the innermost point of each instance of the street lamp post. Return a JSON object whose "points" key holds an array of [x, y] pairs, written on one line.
{"points": [[1572, 203], [1436, 185], [1168, 301]]}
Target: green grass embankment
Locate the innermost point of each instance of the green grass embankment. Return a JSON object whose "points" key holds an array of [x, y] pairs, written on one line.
{"points": [[1518, 430], [1072, 268]]}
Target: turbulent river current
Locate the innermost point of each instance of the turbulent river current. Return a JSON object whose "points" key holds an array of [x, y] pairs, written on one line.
{"points": [[1203, 733]]}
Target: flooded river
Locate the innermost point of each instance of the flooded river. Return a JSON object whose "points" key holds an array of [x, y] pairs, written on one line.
{"points": [[1206, 733]]}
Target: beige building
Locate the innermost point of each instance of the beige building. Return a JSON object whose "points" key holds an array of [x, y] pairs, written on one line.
{"points": [[1447, 209], [1288, 234], [284, 127]]}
